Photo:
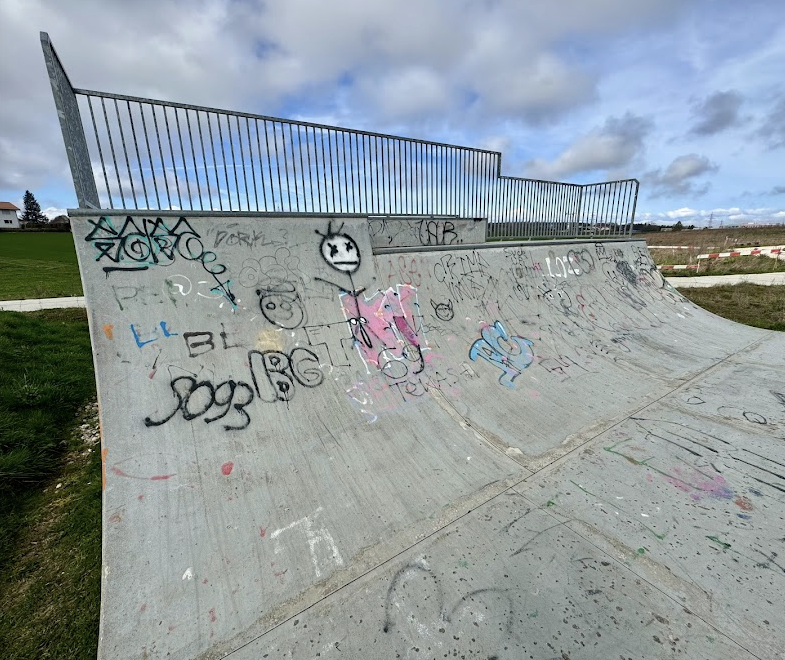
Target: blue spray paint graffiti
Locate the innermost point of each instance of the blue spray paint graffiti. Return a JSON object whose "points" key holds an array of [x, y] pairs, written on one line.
{"points": [[511, 354], [164, 329]]}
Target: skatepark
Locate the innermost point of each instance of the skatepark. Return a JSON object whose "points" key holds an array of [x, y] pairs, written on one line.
{"points": [[380, 435]]}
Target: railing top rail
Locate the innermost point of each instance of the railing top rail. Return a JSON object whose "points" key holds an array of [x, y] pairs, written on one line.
{"points": [[280, 120]]}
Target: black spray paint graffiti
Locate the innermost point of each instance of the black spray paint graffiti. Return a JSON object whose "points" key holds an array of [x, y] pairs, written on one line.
{"points": [[416, 612], [196, 397], [278, 283], [511, 354], [142, 243], [274, 375], [341, 253], [281, 305], [199, 343], [443, 310], [282, 372]]}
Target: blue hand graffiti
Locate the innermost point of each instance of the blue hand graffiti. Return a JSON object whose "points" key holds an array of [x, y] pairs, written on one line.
{"points": [[512, 356]]}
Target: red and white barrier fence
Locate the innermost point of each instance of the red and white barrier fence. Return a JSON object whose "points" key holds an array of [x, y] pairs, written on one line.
{"points": [[772, 251], [743, 252], [679, 267]]}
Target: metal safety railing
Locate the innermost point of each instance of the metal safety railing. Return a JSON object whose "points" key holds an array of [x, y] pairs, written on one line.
{"points": [[134, 153]]}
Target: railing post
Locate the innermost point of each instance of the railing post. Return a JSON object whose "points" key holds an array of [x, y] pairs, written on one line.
{"points": [[71, 127], [634, 205]]}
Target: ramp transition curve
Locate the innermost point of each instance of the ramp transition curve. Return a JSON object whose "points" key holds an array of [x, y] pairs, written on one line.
{"points": [[508, 451]]}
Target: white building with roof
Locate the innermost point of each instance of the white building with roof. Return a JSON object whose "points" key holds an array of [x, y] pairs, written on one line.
{"points": [[9, 219]]}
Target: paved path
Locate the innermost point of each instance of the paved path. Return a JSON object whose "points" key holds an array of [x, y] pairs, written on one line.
{"points": [[34, 304], [718, 280]]}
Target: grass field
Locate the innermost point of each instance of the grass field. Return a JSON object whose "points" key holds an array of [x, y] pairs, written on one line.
{"points": [[50, 488], [751, 304], [718, 239], [38, 265]]}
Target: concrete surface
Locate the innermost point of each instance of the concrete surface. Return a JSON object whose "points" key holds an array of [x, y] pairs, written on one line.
{"points": [[485, 452], [407, 231], [36, 304], [767, 279]]}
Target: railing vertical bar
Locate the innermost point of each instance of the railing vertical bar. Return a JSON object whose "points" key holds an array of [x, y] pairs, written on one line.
{"points": [[111, 146], [316, 171], [512, 191], [270, 167], [371, 173], [403, 180], [251, 159], [324, 171], [392, 145], [149, 154], [286, 167], [366, 207], [182, 153], [407, 177], [418, 176], [634, 185], [388, 172], [332, 178], [310, 170], [100, 151], [193, 156], [125, 152], [215, 164], [302, 169], [223, 160], [261, 164], [345, 171], [234, 162], [286, 162], [464, 185], [138, 157], [242, 163], [337, 181], [480, 187], [631, 188], [354, 151], [427, 198], [278, 168], [171, 153]]}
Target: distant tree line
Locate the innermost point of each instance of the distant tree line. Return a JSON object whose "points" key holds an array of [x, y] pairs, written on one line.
{"points": [[647, 227]]}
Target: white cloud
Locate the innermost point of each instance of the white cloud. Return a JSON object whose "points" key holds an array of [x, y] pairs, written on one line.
{"points": [[717, 112], [679, 178], [611, 146]]}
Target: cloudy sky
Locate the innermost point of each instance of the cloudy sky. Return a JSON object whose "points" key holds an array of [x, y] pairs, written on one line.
{"points": [[686, 96]]}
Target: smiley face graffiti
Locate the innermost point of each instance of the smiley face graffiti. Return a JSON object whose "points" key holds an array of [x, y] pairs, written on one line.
{"points": [[339, 250]]}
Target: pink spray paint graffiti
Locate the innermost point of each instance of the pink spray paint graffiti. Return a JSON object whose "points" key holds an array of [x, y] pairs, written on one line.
{"points": [[385, 329]]}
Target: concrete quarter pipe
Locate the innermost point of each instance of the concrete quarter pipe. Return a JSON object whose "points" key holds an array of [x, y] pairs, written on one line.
{"points": [[318, 447]]}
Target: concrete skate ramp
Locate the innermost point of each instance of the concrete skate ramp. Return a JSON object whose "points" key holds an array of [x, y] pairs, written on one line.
{"points": [[496, 451]]}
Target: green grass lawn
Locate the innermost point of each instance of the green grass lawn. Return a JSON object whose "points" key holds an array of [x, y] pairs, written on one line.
{"points": [[751, 304], [38, 265], [50, 536]]}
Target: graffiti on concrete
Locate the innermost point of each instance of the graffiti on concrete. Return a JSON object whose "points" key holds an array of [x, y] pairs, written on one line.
{"points": [[511, 354]]}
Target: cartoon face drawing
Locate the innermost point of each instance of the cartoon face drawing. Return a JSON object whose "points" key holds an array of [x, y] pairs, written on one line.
{"points": [[339, 250], [281, 304]]}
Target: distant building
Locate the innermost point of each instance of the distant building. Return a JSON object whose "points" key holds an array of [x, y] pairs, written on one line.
{"points": [[8, 216], [61, 221]]}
